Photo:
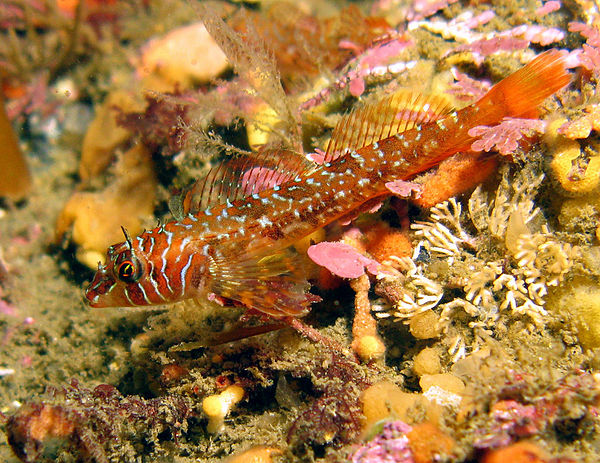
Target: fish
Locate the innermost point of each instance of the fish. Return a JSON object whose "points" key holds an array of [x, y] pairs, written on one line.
{"points": [[233, 233]]}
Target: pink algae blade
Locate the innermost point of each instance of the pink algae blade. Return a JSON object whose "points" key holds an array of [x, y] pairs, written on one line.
{"points": [[341, 259]]}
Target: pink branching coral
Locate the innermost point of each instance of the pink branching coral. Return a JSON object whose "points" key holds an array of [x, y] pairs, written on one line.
{"points": [[505, 137]]}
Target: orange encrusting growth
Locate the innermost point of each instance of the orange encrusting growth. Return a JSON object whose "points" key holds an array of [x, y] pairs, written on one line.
{"points": [[366, 343], [235, 242], [428, 443], [385, 242], [520, 452], [454, 176]]}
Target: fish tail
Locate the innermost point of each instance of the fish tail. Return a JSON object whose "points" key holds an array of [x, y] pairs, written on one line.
{"points": [[519, 94], [407, 133]]}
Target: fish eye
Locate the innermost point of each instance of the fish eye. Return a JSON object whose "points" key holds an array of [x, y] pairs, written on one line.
{"points": [[129, 271]]}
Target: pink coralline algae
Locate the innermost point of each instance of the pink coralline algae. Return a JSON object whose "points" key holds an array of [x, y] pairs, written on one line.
{"points": [[466, 88], [424, 8], [98, 425], [588, 56], [536, 34], [487, 46], [515, 39], [391, 445], [548, 7], [513, 420], [570, 409], [380, 59], [7, 309], [404, 189], [505, 137], [375, 57], [590, 33]]}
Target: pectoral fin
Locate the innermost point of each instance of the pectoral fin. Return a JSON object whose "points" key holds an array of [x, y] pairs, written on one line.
{"points": [[273, 283]]}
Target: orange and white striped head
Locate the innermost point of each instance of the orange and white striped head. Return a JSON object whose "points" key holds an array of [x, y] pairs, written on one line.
{"points": [[157, 267]]}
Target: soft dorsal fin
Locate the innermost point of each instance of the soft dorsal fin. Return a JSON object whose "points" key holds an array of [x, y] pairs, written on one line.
{"points": [[239, 177], [394, 114]]}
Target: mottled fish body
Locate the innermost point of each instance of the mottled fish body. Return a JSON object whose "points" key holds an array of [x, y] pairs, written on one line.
{"points": [[233, 235]]}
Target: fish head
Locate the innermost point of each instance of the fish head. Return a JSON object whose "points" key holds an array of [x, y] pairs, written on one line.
{"points": [[154, 268], [118, 283]]}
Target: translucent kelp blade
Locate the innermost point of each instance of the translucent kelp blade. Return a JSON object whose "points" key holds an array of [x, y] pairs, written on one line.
{"points": [[394, 114], [273, 283], [240, 177]]}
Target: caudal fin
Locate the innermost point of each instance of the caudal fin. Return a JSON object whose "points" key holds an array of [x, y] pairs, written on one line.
{"points": [[519, 94]]}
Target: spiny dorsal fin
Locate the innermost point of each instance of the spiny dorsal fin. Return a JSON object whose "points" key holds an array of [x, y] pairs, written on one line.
{"points": [[394, 114], [239, 177]]}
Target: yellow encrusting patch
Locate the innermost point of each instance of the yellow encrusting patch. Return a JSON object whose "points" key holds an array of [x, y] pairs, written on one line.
{"points": [[218, 406], [566, 154]]}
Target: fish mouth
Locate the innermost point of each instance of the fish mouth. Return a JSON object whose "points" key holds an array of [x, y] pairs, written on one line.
{"points": [[91, 297], [100, 286]]}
